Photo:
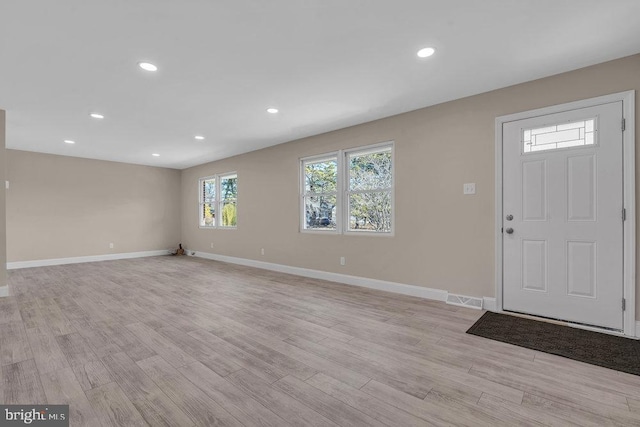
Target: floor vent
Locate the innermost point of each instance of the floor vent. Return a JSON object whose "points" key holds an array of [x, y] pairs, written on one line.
{"points": [[463, 301]]}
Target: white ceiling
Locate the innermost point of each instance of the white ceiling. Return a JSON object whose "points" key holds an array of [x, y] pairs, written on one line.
{"points": [[326, 64]]}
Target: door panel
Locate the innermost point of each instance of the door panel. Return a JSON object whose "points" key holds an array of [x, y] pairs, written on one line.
{"points": [[563, 185], [581, 191], [534, 190]]}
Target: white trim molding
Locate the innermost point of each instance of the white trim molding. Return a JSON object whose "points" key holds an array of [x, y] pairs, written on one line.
{"points": [[81, 259], [489, 304], [629, 192], [365, 282]]}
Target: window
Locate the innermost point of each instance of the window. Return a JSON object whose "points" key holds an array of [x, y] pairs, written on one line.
{"points": [[370, 190], [349, 191], [218, 201], [320, 193], [572, 134], [228, 200], [207, 202]]}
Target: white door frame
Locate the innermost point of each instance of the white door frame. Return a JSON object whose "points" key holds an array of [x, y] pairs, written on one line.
{"points": [[629, 196]]}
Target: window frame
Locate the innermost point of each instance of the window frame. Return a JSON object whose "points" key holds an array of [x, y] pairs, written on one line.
{"points": [[304, 194], [218, 201], [369, 149], [342, 190], [201, 202]]}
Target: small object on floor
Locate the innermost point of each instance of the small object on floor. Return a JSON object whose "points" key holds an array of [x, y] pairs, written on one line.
{"points": [[180, 251], [596, 348]]}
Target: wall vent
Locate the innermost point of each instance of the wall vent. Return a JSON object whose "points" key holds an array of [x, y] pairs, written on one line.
{"points": [[463, 301]]}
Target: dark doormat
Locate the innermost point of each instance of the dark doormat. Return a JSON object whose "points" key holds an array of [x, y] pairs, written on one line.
{"points": [[609, 351]]}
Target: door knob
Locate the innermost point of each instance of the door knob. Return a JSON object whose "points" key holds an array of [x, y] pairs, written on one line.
{"points": [[509, 217], [509, 230]]}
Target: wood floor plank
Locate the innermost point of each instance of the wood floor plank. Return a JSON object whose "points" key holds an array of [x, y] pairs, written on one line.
{"points": [[14, 344], [9, 310], [30, 313], [387, 374], [324, 404], [46, 352], [258, 367], [62, 388], [544, 384], [162, 346], [127, 341], [427, 410], [87, 368], [310, 359], [435, 371], [239, 404], [202, 352], [568, 413], [269, 355], [112, 407], [634, 405], [151, 402], [378, 409], [21, 384], [201, 409], [54, 318], [281, 403], [507, 410]]}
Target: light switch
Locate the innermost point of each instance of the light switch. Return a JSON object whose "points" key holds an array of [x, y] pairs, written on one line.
{"points": [[469, 188]]}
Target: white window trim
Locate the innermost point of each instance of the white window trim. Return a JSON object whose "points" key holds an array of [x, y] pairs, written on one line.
{"points": [[366, 150], [201, 201], [301, 204], [220, 201], [342, 214], [217, 224]]}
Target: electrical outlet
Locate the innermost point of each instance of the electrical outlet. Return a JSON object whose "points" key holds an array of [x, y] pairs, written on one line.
{"points": [[343, 260], [212, 245], [469, 188], [110, 245], [262, 251]]}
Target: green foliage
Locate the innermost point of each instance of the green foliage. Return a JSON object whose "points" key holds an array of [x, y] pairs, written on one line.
{"points": [[371, 179], [321, 177], [321, 180], [229, 215], [209, 214], [229, 188]]}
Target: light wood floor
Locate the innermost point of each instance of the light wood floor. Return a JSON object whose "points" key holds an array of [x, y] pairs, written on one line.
{"points": [[182, 342]]}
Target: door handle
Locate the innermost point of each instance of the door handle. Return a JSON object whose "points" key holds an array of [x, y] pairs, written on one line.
{"points": [[509, 230]]}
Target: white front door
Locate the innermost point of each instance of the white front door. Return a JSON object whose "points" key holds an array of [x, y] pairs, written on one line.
{"points": [[562, 216]]}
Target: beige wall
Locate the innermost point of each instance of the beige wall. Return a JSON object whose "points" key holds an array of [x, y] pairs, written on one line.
{"points": [[3, 214], [443, 239], [60, 207]]}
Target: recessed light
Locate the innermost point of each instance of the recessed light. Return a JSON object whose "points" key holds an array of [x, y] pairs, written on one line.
{"points": [[68, 141], [97, 115], [272, 110], [156, 155], [426, 52], [199, 137], [147, 66]]}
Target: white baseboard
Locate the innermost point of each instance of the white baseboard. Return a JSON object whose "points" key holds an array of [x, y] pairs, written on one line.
{"points": [[80, 259], [381, 285], [4, 291], [489, 304]]}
